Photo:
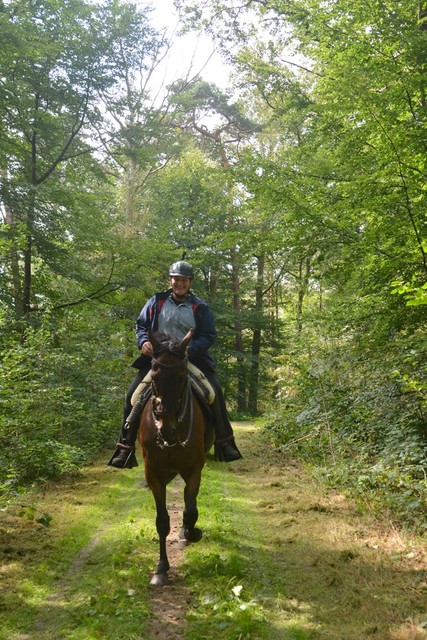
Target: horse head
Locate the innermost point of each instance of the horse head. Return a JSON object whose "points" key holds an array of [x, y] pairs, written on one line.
{"points": [[162, 342], [170, 383]]}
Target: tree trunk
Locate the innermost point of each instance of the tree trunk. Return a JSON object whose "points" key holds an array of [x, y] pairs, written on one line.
{"points": [[422, 15], [28, 251], [303, 280], [256, 338], [26, 297], [15, 276], [241, 378], [130, 177], [213, 286]]}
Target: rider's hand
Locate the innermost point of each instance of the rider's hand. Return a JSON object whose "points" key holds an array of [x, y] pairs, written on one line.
{"points": [[147, 349]]}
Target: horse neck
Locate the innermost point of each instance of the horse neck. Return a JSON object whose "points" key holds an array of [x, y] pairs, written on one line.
{"points": [[171, 391], [171, 383]]}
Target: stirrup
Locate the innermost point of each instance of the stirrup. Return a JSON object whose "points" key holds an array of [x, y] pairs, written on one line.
{"points": [[129, 460]]}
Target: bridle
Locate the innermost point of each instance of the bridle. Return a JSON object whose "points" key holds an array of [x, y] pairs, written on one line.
{"points": [[185, 402]]}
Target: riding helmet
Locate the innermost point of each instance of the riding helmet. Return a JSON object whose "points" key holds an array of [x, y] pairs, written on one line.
{"points": [[181, 268]]}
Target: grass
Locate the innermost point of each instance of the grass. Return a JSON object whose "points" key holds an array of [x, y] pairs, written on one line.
{"points": [[78, 578], [281, 558]]}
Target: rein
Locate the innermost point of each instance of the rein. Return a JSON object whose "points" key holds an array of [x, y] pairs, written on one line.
{"points": [[185, 402]]}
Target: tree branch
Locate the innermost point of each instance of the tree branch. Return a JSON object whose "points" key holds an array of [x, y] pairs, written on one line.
{"points": [[105, 289]]}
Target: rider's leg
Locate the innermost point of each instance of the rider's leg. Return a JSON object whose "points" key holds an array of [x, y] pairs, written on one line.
{"points": [[124, 455], [225, 446]]}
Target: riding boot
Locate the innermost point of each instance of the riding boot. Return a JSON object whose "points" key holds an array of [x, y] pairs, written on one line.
{"points": [[224, 446], [225, 450], [124, 455]]}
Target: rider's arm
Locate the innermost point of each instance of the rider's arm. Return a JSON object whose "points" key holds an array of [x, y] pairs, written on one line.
{"points": [[204, 334], [144, 322]]}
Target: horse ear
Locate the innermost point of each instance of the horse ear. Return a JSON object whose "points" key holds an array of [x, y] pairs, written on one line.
{"points": [[186, 340], [154, 342]]}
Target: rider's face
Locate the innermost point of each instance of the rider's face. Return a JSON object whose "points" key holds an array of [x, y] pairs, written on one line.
{"points": [[180, 285]]}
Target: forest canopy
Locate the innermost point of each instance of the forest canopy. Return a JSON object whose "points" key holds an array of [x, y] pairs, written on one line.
{"points": [[298, 194]]}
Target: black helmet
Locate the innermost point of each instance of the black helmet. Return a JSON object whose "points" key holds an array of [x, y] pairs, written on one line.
{"points": [[181, 268]]}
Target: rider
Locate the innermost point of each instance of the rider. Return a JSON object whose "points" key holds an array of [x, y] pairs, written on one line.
{"points": [[176, 311]]}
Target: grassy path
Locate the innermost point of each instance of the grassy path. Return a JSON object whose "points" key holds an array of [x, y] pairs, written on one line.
{"points": [[281, 559]]}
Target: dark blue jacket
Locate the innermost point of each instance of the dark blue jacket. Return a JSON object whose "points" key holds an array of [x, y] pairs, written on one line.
{"points": [[203, 336]]}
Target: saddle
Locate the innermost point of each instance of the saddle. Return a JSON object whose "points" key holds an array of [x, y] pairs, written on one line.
{"points": [[199, 383]]}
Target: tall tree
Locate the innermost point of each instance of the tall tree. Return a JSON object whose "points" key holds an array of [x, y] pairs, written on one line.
{"points": [[135, 133], [222, 127], [57, 62]]}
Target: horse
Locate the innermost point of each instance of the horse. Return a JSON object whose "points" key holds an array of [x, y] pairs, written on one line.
{"points": [[175, 436]]}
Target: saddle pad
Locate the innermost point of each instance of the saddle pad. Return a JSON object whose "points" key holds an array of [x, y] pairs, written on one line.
{"points": [[201, 381], [140, 388]]}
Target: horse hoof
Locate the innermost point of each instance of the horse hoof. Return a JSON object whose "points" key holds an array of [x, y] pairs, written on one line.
{"points": [[159, 580], [196, 535], [193, 535]]}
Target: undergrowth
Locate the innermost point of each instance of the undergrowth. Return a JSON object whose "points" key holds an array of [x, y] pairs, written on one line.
{"points": [[357, 415], [384, 481], [60, 398]]}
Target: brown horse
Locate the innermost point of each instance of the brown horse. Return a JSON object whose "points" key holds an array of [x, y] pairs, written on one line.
{"points": [[175, 437]]}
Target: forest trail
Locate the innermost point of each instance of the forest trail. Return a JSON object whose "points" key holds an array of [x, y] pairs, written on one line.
{"points": [[291, 560]]}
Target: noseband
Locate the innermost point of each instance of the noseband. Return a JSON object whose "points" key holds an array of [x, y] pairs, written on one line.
{"points": [[184, 402]]}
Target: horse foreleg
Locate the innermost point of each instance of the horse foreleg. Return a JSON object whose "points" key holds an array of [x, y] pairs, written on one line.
{"points": [[161, 577], [189, 532]]}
